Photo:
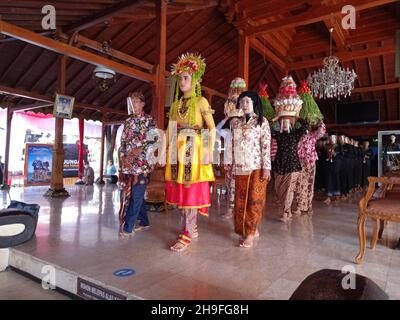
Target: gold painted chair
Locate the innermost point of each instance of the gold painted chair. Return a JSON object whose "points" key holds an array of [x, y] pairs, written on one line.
{"points": [[383, 207]]}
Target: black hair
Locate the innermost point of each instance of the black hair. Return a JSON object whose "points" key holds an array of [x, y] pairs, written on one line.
{"points": [[258, 108]]}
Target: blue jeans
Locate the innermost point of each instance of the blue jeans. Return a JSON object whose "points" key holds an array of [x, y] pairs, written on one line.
{"points": [[137, 208]]}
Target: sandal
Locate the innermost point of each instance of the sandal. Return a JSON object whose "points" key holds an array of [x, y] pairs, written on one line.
{"points": [[125, 235], [182, 243], [245, 244]]}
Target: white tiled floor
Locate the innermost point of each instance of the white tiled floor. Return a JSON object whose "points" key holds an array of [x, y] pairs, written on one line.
{"points": [[81, 234]]}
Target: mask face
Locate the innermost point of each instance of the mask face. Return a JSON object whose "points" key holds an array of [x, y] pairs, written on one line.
{"points": [[185, 82], [135, 105], [286, 125], [246, 104]]}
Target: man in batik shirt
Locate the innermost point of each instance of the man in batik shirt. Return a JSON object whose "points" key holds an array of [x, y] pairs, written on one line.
{"points": [[134, 166]]}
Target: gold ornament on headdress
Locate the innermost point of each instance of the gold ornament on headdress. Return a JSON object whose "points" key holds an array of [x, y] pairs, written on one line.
{"points": [[195, 65]]}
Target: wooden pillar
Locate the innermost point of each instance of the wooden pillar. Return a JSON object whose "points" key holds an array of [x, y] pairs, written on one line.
{"points": [[81, 143], [244, 49], [158, 87], [103, 137], [57, 183], [7, 151]]}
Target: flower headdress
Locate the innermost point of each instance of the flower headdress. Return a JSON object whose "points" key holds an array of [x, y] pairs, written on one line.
{"points": [[237, 86], [195, 65], [288, 103]]}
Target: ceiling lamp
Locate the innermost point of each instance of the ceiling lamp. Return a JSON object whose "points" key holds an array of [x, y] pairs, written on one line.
{"points": [[332, 81], [104, 77]]}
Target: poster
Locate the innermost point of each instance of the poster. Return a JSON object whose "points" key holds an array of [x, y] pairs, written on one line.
{"points": [[38, 162], [71, 156]]}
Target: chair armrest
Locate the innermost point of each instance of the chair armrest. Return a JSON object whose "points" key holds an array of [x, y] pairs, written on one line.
{"points": [[384, 180]]}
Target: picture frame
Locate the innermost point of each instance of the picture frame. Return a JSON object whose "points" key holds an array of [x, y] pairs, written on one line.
{"points": [[63, 106], [38, 164]]}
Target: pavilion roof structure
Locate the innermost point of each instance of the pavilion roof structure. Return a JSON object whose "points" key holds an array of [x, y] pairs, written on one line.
{"points": [[284, 37]]}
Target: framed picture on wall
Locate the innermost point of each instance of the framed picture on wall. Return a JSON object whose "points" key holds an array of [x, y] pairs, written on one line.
{"points": [[38, 164], [63, 106]]}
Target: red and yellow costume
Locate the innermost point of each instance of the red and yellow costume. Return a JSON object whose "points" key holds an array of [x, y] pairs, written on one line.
{"points": [[189, 157]]}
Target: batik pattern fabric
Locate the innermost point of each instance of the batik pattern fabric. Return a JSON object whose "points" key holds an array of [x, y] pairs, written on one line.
{"points": [[306, 148], [136, 134], [285, 187], [274, 149], [305, 188], [287, 159], [252, 146], [250, 196], [187, 180]]}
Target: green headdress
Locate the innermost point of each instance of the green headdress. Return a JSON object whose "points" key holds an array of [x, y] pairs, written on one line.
{"points": [[310, 110], [269, 111]]}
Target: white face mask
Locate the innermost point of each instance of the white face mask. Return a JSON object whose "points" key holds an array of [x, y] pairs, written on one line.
{"points": [[246, 104]]}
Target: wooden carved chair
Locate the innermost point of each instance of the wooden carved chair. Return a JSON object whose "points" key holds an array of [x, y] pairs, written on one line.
{"points": [[155, 193], [219, 182], [383, 207]]}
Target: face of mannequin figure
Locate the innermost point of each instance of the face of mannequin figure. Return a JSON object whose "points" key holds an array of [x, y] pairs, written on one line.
{"points": [[333, 139], [366, 145], [185, 82], [246, 104], [137, 106], [342, 139], [286, 126], [392, 138]]}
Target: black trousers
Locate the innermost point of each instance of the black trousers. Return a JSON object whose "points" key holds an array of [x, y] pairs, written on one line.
{"points": [[345, 177], [332, 170], [366, 172]]}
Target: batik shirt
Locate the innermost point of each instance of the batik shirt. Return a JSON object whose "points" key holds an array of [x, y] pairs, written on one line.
{"points": [[306, 149], [286, 159], [251, 145], [136, 135]]}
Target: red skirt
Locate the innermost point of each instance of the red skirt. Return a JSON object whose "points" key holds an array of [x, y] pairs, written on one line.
{"points": [[195, 196]]}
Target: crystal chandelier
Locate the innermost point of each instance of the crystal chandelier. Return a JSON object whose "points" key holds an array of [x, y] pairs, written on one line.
{"points": [[332, 81]]}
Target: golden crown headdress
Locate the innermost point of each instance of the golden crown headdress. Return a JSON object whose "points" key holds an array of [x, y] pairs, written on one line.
{"points": [[191, 63]]}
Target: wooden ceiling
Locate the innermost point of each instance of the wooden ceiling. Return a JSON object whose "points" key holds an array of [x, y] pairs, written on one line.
{"points": [[285, 37]]}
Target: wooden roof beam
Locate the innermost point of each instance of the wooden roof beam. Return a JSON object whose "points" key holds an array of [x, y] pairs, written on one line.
{"points": [[50, 100], [269, 55], [381, 87], [313, 15], [73, 52], [344, 56], [104, 15], [28, 107], [89, 43]]}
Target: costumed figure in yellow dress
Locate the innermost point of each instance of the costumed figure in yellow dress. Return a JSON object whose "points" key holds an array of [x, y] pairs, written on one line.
{"points": [[189, 157]]}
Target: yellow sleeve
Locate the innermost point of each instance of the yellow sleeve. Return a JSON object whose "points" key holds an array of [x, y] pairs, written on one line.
{"points": [[207, 114]]}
